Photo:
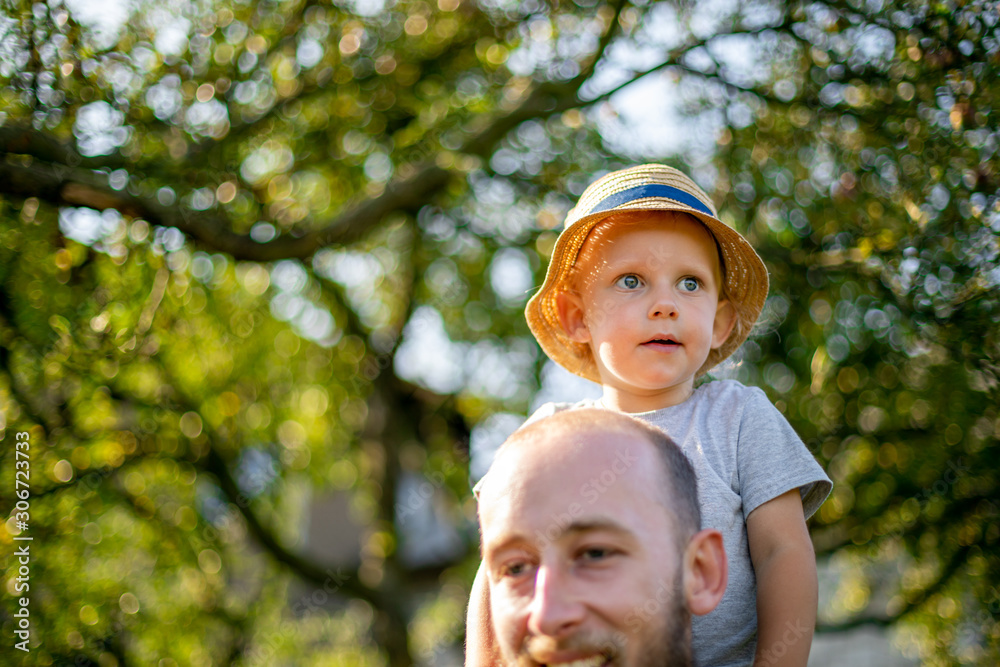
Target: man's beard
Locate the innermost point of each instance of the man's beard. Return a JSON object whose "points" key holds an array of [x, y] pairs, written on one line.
{"points": [[665, 637]]}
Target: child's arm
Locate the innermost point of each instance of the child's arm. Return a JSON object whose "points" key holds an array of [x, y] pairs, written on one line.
{"points": [[785, 565], [480, 644]]}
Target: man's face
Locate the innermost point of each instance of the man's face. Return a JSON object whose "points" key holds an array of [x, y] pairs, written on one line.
{"points": [[649, 296], [580, 553]]}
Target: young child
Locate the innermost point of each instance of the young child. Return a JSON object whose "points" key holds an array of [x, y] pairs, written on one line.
{"points": [[645, 292]]}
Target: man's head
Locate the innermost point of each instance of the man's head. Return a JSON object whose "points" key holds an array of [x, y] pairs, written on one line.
{"points": [[644, 188], [591, 546]]}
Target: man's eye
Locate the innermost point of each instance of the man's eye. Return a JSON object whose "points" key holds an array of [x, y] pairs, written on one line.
{"points": [[629, 282], [515, 569], [690, 284], [594, 554]]}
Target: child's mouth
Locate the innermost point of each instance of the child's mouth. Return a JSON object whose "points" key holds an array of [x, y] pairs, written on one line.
{"points": [[661, 342]]}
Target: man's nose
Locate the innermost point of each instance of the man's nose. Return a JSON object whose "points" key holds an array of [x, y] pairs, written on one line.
{"points": [[555, 610]]}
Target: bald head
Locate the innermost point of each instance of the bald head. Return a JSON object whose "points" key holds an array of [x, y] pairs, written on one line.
{"points": [[589, 517], [620, 441]]}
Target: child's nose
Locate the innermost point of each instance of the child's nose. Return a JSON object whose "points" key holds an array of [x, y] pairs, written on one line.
{"points": [[663, 306]]}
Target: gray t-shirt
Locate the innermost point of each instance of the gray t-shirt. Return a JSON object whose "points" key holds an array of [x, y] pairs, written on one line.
{"points": [[744, 453]]}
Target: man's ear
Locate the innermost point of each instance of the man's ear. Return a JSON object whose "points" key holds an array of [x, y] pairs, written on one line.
{"points": [[725, 320], [570, 308], [706, 571]]}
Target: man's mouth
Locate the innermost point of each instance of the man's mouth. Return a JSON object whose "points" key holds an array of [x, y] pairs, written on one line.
{"points": [[593, 661]]}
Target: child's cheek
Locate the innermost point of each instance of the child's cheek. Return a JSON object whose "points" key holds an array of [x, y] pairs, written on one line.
{"points": [[602, 311]]}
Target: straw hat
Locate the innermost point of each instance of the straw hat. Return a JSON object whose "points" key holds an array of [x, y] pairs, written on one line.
{"points": [[646, 187]]}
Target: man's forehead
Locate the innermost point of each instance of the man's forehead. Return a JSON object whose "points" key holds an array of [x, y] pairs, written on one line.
{"points": [[553, 443], [559, 465]]}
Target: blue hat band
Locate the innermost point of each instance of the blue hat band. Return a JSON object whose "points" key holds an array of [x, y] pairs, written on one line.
{"points": [[652, 190]]}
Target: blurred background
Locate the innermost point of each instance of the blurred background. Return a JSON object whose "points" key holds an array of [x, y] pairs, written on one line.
{"points": [[263, 266]]}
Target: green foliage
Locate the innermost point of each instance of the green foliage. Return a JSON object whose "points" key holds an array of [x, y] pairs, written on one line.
{"points": [[876, 180], [257, 254]]}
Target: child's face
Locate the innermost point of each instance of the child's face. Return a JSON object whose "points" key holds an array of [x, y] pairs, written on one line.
{"points": [[647, 303]]}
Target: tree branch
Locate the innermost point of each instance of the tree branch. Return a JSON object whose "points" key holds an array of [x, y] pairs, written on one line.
{"points": [[602, 47], [307, 569], [21, 139], [65, 186], [31, 406], [58, 180], [672, 59], [240, 129]]}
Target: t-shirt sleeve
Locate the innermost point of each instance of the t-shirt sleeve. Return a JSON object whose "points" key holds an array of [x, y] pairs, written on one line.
{"points": [[773, 459]]}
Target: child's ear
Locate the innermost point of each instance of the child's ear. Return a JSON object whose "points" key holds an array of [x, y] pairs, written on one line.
{"points": [[706, 571], [570, 308], [725, 320]]}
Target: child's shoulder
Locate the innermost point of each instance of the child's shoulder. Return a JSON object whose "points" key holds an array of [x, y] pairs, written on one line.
{"points": [[728, 394], [717, 388]]}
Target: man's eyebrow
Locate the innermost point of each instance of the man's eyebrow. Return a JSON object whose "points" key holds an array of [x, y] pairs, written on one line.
{"points": [[596, 524], [572, 529], [510, 540]]}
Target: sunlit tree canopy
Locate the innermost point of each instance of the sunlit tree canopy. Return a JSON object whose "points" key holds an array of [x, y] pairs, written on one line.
{"points": [[263, 268]]}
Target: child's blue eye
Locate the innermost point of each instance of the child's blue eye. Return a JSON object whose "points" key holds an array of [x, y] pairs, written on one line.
{"points": [[629, 282], [690, 284]]}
